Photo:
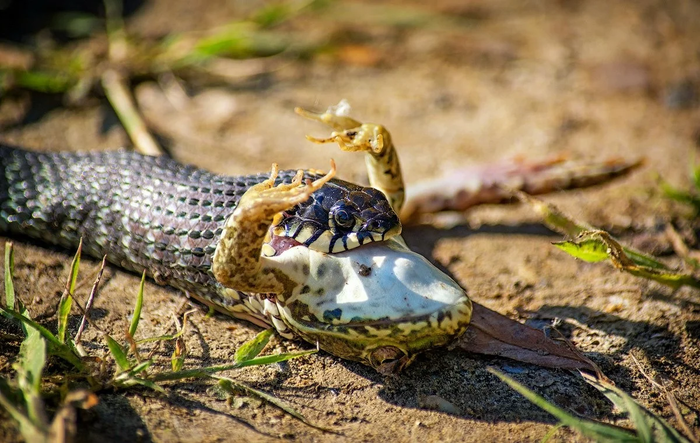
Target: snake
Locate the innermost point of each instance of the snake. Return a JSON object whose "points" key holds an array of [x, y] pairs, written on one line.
{"points": [[313, 256]]}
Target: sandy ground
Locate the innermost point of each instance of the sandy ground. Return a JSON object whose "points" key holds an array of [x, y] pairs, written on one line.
{"points": [[593, 80]]}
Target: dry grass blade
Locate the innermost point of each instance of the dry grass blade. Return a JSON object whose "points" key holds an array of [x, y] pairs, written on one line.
{"points": [[64, 426], [590, 429], [672, 401], [692, 258], [117, 92], [91, 299], [232, 387]]}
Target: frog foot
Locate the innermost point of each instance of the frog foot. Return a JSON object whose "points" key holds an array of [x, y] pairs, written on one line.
{"points": [[374, 140], [351, 135], [266, 199], [237, 261]]}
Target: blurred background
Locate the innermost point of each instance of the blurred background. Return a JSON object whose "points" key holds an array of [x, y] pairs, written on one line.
{"points": [[457, 82]]}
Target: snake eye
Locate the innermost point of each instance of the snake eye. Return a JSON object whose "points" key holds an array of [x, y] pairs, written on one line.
{"points": [[344, 219]]}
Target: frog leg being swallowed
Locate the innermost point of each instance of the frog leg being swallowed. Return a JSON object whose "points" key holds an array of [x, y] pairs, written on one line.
{"points": [[238, 262], [382, 161]]}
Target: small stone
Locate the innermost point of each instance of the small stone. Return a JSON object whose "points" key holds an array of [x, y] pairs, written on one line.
{"points": [[437, 403]]}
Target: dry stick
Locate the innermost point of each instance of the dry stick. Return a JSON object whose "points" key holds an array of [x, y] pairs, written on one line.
{"points": [[175, 323], [672, 401], [77, 304], [680, 248], [119, 97], [91, 298], [572, 347]]}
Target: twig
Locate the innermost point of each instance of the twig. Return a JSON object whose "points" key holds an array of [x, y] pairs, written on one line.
{"points": [[680, 248], [672, 401], [598, 372], [176, 324], [119, 97], [77, 304], [91, 298]]}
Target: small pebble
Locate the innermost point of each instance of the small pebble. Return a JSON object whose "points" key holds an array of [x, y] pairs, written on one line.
{"points": [[437, 403]]}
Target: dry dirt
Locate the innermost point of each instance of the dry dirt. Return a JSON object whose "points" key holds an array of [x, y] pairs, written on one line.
{"points": [[593, 80]]}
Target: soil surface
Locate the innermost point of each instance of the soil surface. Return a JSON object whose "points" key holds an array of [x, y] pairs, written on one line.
{"points": [[593, 80]]}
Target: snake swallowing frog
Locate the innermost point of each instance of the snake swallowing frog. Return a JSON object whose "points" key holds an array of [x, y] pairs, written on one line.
{"points": [[315, 257]]}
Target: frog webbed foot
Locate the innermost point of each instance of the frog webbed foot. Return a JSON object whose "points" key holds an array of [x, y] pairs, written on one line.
{"points": [[382, 161], [237, 262], [349, 134]]}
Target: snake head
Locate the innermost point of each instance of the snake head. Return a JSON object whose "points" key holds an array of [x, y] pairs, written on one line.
{"points": [[338, 217], [380, 304]]}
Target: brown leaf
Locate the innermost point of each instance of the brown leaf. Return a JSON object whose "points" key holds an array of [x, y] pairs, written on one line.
{"points": [[494, 334]]}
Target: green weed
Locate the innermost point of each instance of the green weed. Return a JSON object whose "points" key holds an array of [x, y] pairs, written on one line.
{"points": [[22, 396]]}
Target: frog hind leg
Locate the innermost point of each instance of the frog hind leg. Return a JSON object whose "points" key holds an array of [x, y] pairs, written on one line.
{"points": [[382, 161]]}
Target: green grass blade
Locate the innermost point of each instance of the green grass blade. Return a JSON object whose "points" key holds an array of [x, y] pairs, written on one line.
{"points": [[594, 430], [233, 386], [252, 348], [207, 371], [650, 427], [588, 250], [137, 309], [642, 259], [147, 383], [167, 337], [9, 269], [129, 379], [66, 302], [32, 358], [141, 367], [567, 225], [696, 177], [680, 195], [159, 338], [548, 436], [276, 358], [44, 81], [594, 246], [117, 353], [30, 431], [55, 347], [133, 372]]}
